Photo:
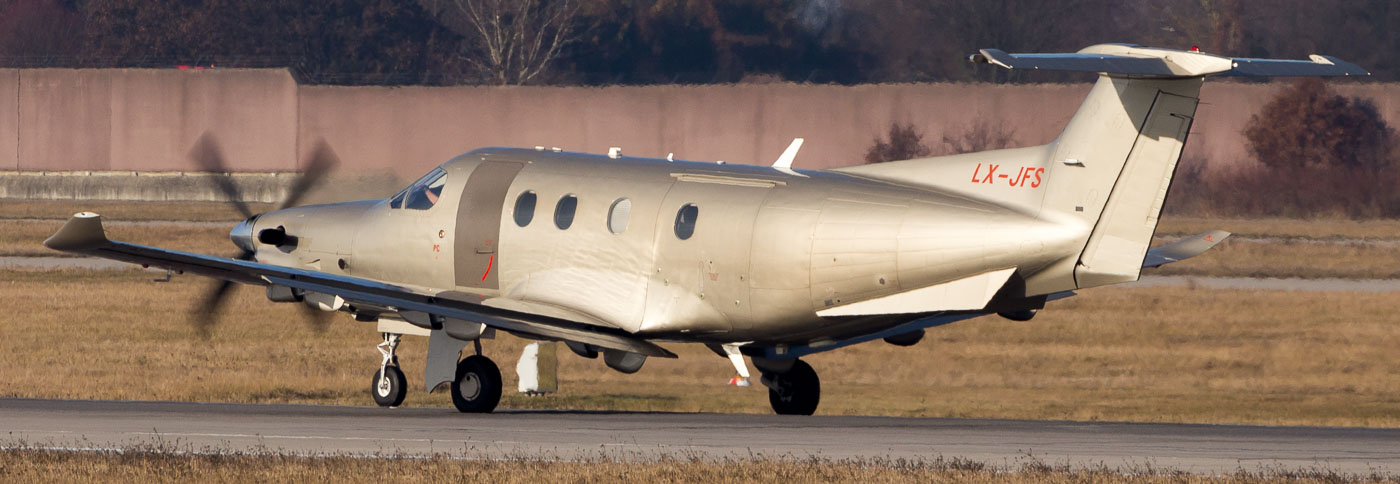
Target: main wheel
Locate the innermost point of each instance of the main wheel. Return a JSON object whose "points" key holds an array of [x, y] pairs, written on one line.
{"points": [[390, 386], [795, 392], [477, 388]]}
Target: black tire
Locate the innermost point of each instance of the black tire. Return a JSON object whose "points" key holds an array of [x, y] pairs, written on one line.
{"points": [[800, 390], [477, 387], [391, 391]]}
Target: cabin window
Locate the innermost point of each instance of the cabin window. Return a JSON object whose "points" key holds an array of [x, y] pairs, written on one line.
{"points": [[525, 208], [422, 194], [685, 221], [618, 215], [564, 211]]}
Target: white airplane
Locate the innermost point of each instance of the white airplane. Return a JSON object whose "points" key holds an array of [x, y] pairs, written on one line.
{"points": [[611, 254]]}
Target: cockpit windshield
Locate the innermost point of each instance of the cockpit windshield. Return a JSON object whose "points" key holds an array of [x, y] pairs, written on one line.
{"points": [[422, 194]]}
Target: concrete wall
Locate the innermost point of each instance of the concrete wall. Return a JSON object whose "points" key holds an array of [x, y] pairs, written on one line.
{"points": [[159, 186], [412, 129], [65, 119], [1226, 108], [9, 119], [146, 120]]}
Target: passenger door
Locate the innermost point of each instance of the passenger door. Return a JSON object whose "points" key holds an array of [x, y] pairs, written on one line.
{"points": [[479, 223]]}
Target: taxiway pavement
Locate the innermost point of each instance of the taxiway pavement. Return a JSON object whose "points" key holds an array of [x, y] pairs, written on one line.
{"points": [[318, 430]]}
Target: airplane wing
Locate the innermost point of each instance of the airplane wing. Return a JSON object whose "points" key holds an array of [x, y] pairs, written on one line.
{"points": [[83, 234], [1184, 249]]}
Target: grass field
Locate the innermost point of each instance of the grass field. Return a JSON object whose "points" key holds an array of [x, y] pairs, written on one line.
{"points": [[1290, 258], [26, 237], [126, 210], [1315, 229], [1295, 248], [1159, 354], [165, 465]]}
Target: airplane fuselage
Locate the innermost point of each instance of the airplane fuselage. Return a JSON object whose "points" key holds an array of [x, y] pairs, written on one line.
{"points": [[762, 251]]}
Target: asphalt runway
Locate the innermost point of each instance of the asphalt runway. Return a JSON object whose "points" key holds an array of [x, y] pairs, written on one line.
{"points": [[318, 430]]}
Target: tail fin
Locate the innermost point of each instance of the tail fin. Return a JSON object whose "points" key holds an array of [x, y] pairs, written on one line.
{"points": [[1110, 169], [1113, 164]]}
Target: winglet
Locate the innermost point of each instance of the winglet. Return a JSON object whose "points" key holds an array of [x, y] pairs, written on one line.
{"points": [[82, 232], [1184, 249], [785, 161]]}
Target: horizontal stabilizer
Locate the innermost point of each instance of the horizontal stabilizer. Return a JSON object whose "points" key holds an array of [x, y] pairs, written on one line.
{"points": [[1184, 249], [1137, 61]]}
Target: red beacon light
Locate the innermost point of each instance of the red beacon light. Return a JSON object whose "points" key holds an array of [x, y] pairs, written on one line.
{"points": [[1195, 49]]}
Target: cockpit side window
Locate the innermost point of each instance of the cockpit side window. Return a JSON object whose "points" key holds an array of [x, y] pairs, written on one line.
{"points": [[397, 202], [422, 194]]}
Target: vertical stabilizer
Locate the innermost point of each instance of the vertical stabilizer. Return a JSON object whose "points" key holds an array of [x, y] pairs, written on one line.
{"points": [[1111, 168]]}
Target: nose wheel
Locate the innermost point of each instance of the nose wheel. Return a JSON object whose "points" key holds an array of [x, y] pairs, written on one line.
{"points": [[794, 392], [477, 387], [390, 386]]}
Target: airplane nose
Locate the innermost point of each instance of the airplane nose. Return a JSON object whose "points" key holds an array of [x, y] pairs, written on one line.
{"points": [[242, 234]]}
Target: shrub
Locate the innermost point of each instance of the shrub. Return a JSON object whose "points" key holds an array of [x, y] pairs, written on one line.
{"points": [[1320, 154], [904, 144], [1310, 126], [980, 135]]}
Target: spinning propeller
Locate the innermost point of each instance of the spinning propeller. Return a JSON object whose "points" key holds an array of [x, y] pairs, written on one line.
{"points": [[210, 158]]}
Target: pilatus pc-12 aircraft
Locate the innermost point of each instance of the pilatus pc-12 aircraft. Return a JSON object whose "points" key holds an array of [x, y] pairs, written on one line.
{"points": [[611, 254]]}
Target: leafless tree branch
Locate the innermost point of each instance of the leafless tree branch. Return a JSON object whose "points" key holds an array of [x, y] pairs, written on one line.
{"points": [[517, 41]]}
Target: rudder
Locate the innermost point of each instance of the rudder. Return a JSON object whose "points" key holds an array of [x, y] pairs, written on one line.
{"points": [[1124, 229]]}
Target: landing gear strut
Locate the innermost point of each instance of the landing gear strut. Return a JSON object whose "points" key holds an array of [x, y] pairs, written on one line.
{"points": [[477, 387], [390, 386], [795, 391]]}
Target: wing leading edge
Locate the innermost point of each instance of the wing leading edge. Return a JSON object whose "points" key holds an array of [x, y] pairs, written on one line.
{"points": [[83, 234]]}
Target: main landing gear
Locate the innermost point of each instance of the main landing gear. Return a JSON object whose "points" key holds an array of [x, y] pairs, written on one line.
{"points": [[795, 390], [476, 387]]}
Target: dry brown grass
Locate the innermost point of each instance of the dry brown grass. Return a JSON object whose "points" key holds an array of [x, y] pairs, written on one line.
{"points": [[125, 210], [26, 237], [1318, 228], [1158, 354], [161, 465]]}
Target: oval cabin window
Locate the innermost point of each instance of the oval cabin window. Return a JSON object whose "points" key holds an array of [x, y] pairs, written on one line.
{"points": [[525, 208], [564, 212], [685, 221], [618, 215]]}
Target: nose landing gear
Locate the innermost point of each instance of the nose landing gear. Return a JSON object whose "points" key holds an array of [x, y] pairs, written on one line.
{"points": [[390, 386]]}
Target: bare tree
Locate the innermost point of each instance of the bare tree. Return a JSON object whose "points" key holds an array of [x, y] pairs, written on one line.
{"points": [[516, 41], [905, 143], [979, 135]]}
